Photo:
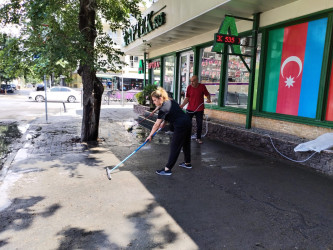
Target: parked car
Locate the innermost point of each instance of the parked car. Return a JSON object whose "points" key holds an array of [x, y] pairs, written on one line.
{"points": [[7, 87], [40, 87], [63, 94], [13, 86]]}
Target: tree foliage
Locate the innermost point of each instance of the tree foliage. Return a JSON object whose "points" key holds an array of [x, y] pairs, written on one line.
{"points": [[63, 35], [50, 32], [10, 67]]}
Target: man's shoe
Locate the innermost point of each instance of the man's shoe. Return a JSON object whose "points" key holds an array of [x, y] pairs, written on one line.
{"points": [[188, 166], [163, 172]]}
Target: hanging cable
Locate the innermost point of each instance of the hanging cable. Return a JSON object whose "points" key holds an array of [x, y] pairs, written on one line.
{"points": [[287, 156]]}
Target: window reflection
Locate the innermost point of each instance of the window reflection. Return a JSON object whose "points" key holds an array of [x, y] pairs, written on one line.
{"points": [[237, 84], [186, 72], [168, 78], [155, 71], [210, 68]]}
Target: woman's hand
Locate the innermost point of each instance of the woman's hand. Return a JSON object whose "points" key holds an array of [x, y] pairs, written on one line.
{"points": [[157, 124], [162, 125], [148, 138]]}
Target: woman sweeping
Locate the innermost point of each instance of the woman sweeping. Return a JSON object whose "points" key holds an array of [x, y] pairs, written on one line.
{"points": [[171, 112]]}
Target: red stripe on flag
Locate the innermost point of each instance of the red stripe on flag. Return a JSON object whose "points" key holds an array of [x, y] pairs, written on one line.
{"points": [[329, 109], [291, 69]]}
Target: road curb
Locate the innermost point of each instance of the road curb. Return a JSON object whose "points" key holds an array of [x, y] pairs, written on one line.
{"points": [[17, 146]]}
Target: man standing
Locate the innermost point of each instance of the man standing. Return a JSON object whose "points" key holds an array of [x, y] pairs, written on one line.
{"points": [[195, 99]]}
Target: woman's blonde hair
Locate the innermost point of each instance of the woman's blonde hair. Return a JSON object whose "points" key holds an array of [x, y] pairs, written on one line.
{"points": [[160, 92]]}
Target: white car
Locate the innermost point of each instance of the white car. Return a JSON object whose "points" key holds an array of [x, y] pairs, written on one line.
{"points": [[63, 94]]}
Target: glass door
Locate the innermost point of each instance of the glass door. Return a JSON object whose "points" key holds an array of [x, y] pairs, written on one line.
{"points": [[185, 73]]}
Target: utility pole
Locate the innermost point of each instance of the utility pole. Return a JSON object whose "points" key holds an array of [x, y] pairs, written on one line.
{"points": [[45, 87]]}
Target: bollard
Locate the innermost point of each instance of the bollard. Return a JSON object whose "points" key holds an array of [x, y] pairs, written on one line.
{"points": [[64, 107]]}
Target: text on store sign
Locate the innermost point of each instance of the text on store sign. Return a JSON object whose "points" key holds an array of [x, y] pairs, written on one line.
{"points": [[153, 65]]}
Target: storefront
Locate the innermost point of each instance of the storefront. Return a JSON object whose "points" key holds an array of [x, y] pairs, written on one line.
{"points": [[282, 78]]}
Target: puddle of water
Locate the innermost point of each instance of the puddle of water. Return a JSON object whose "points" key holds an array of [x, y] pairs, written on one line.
{"points": [[8, 133], [118, 133], [23, 128]]}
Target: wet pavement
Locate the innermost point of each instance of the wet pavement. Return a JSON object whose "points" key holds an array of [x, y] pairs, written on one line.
{"points": [[9, 133], [54, 194]]}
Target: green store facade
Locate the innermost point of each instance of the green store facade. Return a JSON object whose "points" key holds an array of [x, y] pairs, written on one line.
{"points": [[279, 78]]}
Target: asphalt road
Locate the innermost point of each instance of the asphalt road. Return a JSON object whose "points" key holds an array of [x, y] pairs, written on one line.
{"points": [[18, 107]]}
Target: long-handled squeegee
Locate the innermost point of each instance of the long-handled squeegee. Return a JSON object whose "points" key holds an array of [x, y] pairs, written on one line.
{"points": [[108, 171]]}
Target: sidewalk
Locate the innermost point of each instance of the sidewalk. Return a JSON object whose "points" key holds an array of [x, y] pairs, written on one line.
{"points": [[55, 194]]}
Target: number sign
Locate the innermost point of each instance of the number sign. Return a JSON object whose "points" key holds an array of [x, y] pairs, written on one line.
{"points": [[220, 38]]}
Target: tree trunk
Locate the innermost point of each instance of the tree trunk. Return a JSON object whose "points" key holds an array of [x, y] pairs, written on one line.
{"points": [[92, 87]]}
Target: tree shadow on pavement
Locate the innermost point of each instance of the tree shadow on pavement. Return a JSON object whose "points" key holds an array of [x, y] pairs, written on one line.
{"points": [[145, 230], [71, 163], [21, 214], [78, 238], [4, 242]]}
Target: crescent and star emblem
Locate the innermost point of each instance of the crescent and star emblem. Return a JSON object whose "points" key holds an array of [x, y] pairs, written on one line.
{"points": [[290, 80]]}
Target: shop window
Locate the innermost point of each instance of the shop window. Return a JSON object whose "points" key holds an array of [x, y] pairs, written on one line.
{"points": [[185, 73], [168, 78], [293, 68], [154, 66], [209, 70], [237, 83], [329, 108]]}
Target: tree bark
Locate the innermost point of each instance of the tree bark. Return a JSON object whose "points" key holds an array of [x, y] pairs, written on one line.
{"points": [[92, 87]]}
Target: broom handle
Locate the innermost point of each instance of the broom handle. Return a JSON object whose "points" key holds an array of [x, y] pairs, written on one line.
{"points": [[147, 116], [133, 152]]}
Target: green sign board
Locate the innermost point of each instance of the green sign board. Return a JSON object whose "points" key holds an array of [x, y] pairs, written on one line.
{"points": [[144, 26], [228, 27], [141, 67]]}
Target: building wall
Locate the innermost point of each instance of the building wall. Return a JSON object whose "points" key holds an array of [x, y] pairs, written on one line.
{"points": [[226, 116], [299, 8], [297, 129], [177, 12], [181, 13]]}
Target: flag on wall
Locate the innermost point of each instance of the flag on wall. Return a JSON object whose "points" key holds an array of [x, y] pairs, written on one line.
{"points": [[329, 108], [293, 68]]}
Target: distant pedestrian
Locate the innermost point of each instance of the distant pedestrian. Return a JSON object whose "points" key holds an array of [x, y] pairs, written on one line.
{"points": [[170, 111], [195, 99]]}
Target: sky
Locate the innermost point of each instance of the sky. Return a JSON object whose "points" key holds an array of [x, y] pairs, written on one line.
{"points": [[11, 30]]}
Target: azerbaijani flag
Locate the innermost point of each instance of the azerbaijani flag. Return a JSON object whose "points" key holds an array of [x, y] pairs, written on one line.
{"points": [[293, 68], [329, 108]]}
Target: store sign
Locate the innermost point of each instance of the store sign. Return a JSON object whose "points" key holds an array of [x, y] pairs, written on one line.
{"points": [[144, 26], [226, 39], [227, 34], [141, 67], [154, 65]]}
